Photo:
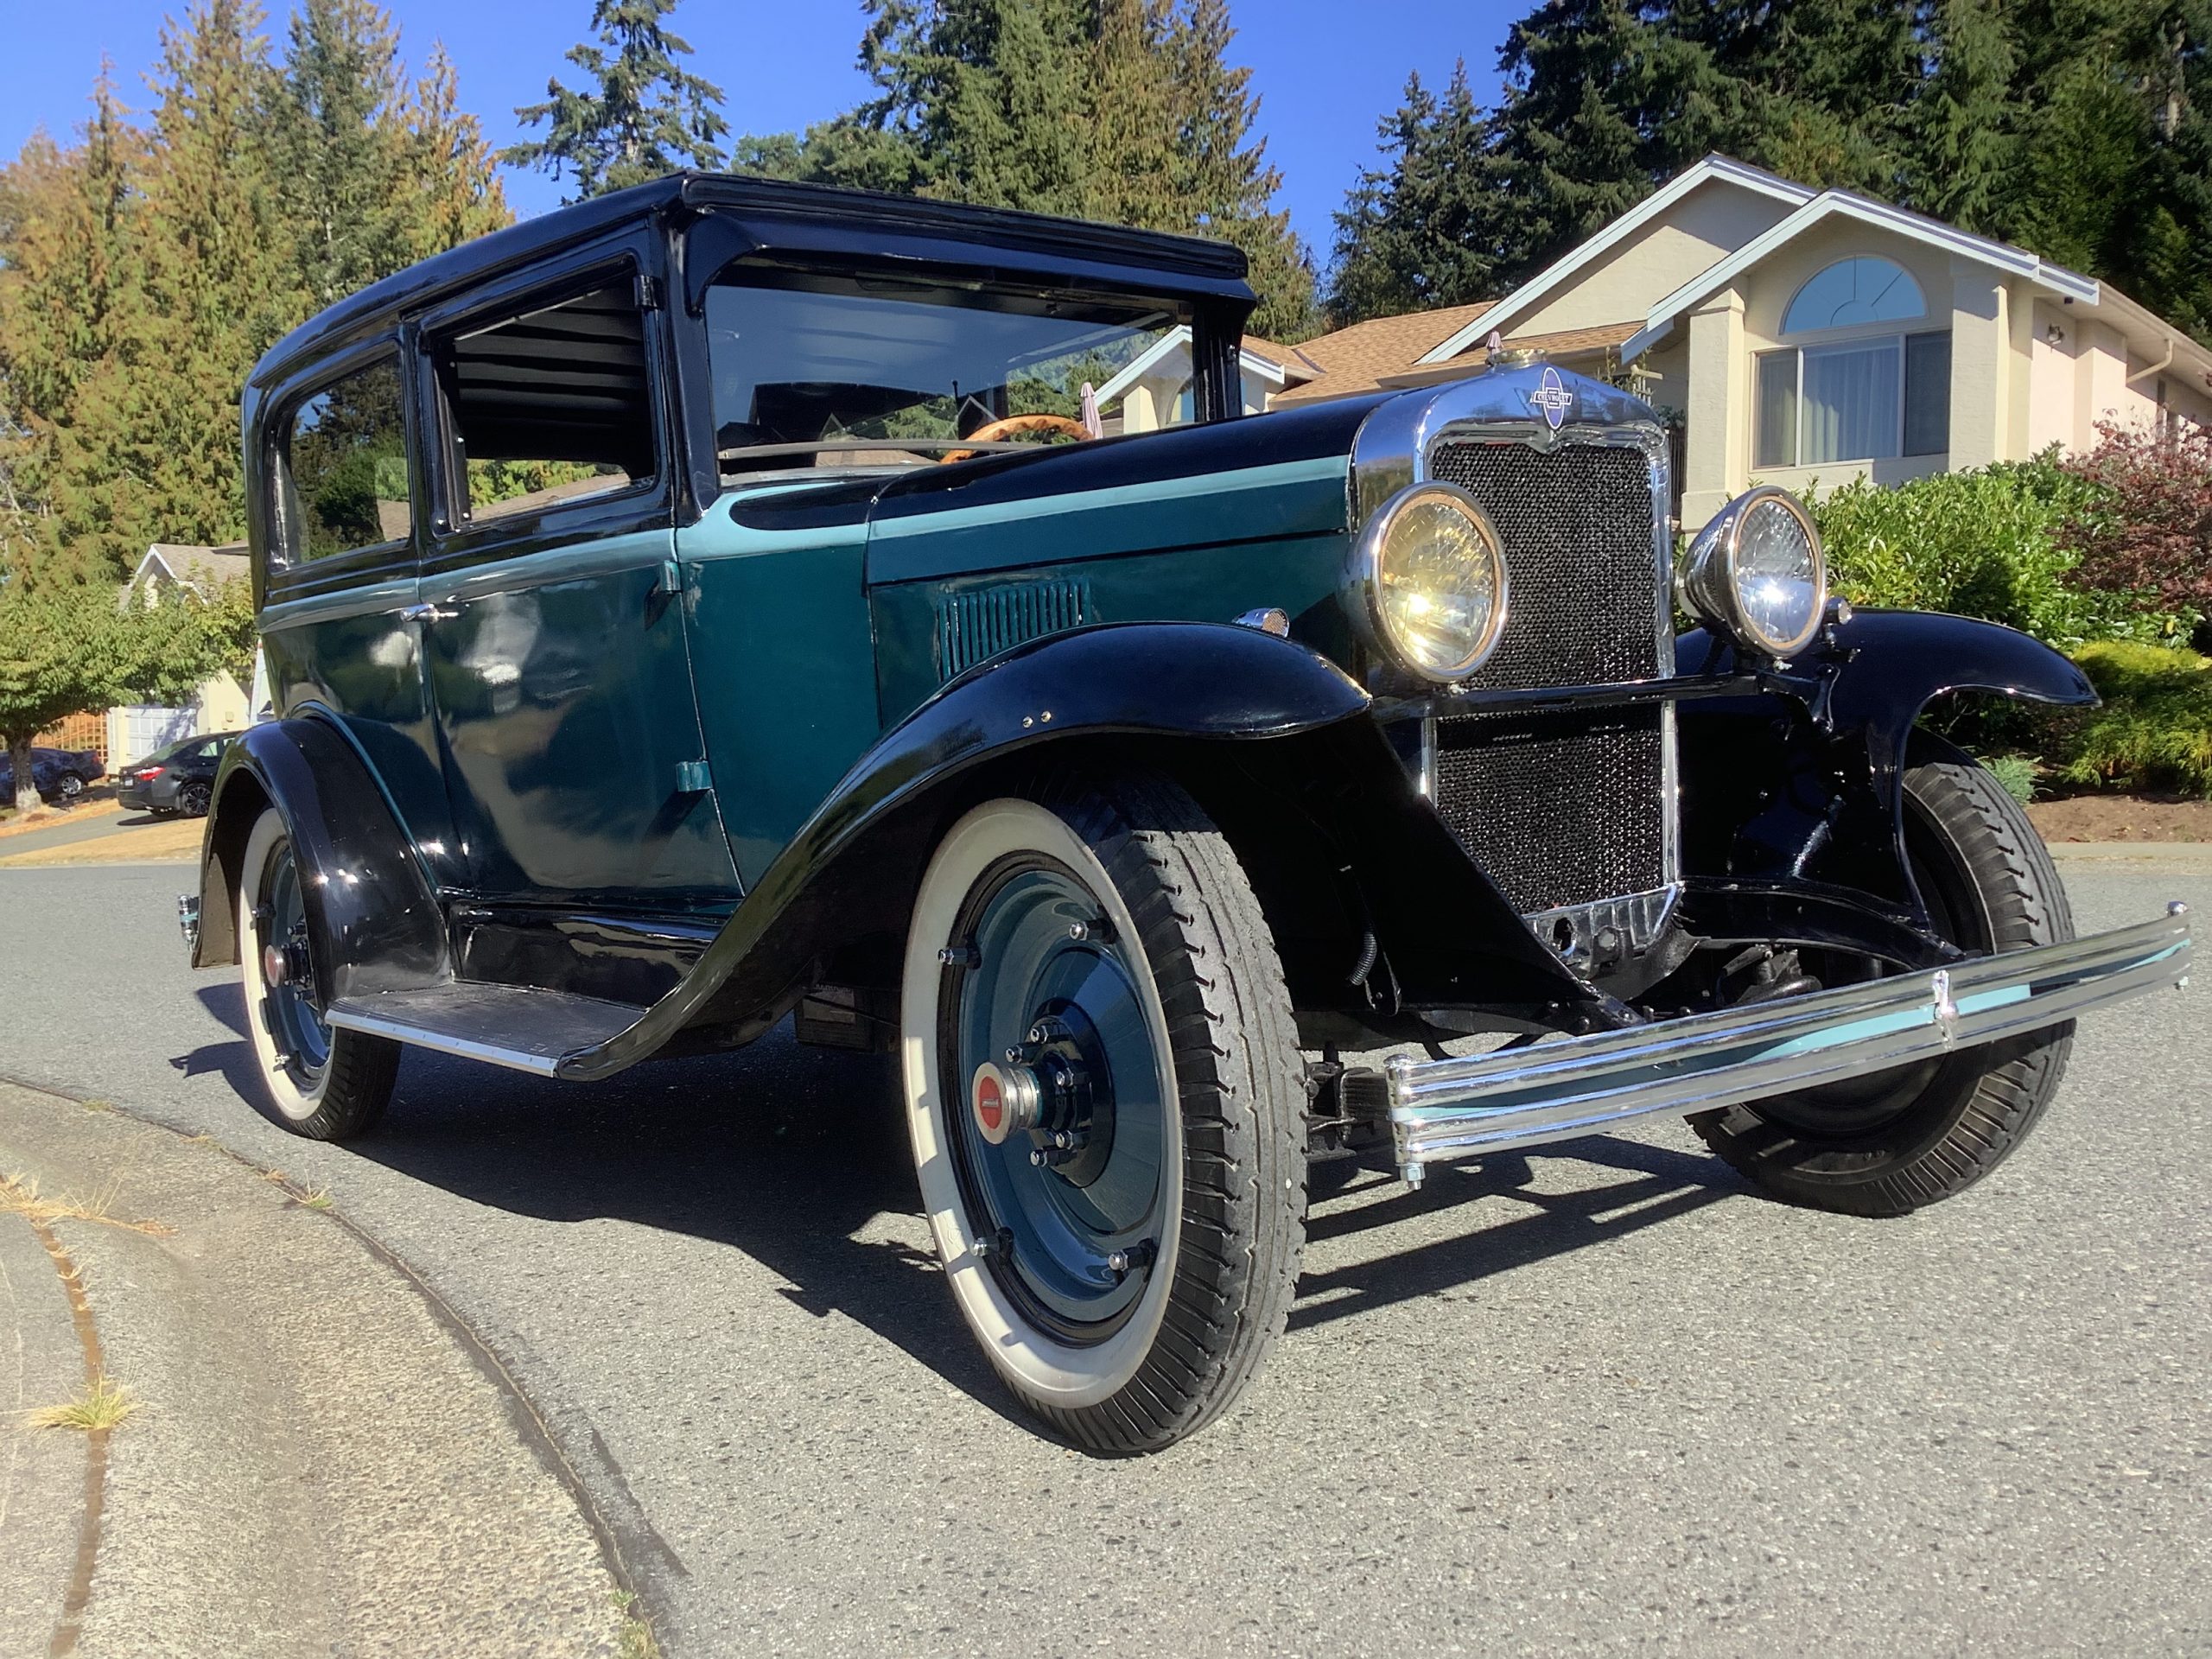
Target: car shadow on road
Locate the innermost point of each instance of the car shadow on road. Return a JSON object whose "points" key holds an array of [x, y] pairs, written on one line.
{"points": [[790, 1153], [1659, 1186]]}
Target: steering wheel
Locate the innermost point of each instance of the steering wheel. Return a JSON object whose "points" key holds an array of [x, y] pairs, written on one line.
{"points": [[1013, 424]]}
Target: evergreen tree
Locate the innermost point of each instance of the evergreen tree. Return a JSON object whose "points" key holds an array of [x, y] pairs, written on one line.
{"points": [[338, 140], [645, 115], [150, 451], [450, 173], [68, 284], [1965, 149], [1415, 234], [1575, 144], [1226, 183], [1126, 110]]}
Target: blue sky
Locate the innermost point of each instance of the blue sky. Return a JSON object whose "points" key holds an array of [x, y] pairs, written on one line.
{"points": [[1325, 69]]}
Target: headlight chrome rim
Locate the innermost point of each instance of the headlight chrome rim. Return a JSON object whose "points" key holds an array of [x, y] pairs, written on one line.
{"points": [[1368, 555], [1711, 582]]}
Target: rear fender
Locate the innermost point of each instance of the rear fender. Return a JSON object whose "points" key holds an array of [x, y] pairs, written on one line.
{"points": [[371, 907]]}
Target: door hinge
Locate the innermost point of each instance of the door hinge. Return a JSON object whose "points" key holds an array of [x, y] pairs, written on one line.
{"points": [[692, 778], [648, 292]]}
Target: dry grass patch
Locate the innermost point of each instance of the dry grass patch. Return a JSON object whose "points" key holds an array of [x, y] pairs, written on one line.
{"points": [[318, 1199], [19, 1195], [101, 1404]]}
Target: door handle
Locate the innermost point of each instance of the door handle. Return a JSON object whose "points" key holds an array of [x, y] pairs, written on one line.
{"points": [[427, 613]]}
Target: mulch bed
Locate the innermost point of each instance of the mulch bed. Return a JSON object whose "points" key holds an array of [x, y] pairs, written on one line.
{"points": [[2123, 817]]}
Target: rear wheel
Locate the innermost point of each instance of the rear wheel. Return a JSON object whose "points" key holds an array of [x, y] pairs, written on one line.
{"points": [[1102, 1083], [1897, 1141], [69, 786], [326, 1084], [192, 800]]}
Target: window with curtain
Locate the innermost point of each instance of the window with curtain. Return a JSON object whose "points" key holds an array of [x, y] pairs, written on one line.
{"points": [[1870, 399]]}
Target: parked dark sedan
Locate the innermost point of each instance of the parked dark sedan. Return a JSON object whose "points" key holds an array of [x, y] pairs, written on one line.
{"points": [[174, 781], [60, 775]]}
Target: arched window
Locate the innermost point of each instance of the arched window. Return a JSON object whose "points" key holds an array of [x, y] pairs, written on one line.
{"points": [[1868, 396], [1850, 291]]}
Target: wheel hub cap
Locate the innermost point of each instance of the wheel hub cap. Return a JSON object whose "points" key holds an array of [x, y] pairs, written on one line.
{"points": [[1006, 1099]]}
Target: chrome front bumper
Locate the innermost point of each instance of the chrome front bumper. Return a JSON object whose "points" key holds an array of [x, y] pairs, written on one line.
{"points": [[1573, 1086]]}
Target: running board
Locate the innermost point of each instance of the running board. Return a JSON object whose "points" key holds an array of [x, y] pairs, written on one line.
{"points": [[1575, 1086], [513, 1026]]}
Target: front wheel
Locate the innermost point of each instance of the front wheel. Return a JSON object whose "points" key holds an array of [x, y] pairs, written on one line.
{"points": [[1897, 1141], [1103, 1090], [69, 787], [326, 1084]]}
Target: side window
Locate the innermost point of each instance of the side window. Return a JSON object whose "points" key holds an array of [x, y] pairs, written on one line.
{"points": [[549, 407], [343, 467]]}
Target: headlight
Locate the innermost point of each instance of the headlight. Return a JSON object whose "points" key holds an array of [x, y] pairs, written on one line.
{"points": [[1431, 572], [1757, 573]]}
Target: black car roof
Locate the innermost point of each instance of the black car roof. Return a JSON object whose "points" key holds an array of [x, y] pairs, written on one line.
{"points": [[774, 214]]}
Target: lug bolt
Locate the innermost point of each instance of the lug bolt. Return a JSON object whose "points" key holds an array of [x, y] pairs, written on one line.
{"points": [[1142, 1253]]}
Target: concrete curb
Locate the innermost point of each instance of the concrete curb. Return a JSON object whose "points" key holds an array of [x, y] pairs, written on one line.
{"points": [[323, 1460]]}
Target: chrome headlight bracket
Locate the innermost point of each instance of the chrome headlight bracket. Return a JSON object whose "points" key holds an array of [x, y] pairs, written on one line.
{"points": [[1712, 585]]}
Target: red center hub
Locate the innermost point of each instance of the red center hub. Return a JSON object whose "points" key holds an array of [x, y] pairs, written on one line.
{"points": [[990, 1104], [1004, 1099]]}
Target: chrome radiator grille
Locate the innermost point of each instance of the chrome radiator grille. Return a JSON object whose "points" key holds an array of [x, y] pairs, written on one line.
{"points": [[1563, 810]]}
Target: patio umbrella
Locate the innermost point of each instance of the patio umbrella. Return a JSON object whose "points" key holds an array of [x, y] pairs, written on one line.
{"points": [[1091, 423]]}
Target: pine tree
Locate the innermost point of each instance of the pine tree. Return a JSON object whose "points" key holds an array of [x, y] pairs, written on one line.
{"points": [[1965, 151], [645, 117], [1220, 165], [1573, 130], [450, 173], [150, 451], [338, 139], [1415, 233], [69, 277]]}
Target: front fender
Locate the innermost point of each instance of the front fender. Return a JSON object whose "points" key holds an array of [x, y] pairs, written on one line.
{"points": [[1183, 682], [371, 906], [1163, 679], [1816, 794], [1894, 664]]}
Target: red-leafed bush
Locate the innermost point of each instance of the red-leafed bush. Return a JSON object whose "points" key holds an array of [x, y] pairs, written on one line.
{"points": [[2147, 531]]}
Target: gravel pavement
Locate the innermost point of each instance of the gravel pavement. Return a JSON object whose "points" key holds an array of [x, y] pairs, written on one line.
{"points": [[1597, 1397]]}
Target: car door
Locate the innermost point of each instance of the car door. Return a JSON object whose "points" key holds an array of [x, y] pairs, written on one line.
{"points": [[341, 627], [555, 638]]}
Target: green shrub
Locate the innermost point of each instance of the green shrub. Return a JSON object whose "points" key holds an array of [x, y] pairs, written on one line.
{"points": [[2015, 773], [2154, 730], [1990, 543]]}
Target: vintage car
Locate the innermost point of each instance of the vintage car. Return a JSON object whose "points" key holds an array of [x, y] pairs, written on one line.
{"points": [[719, 602]]}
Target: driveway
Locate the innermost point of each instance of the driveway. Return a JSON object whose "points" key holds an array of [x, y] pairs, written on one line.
{"points": [[1598, 1397]]}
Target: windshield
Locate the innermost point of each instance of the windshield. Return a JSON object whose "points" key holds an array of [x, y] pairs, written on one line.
{"points": [[817, 369]]}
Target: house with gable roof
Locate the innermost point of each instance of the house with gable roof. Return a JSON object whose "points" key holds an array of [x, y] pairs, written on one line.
{"points": [[1804, 336]]}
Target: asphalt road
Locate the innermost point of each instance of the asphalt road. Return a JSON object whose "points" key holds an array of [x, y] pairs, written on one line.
{"points": [[1596, 1399]]}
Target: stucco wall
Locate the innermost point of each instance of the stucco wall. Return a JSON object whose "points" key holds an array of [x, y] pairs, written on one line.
{"points": [[1711, 222]]}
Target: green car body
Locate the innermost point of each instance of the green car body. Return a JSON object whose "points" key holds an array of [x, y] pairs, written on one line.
{"points": [[657, 602]]}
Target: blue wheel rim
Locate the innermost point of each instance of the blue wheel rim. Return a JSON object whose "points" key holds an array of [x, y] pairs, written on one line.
{"points": [[1042, 952]]}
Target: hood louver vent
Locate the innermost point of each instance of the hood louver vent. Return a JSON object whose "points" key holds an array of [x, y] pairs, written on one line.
{"points": [[974, 627]]}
